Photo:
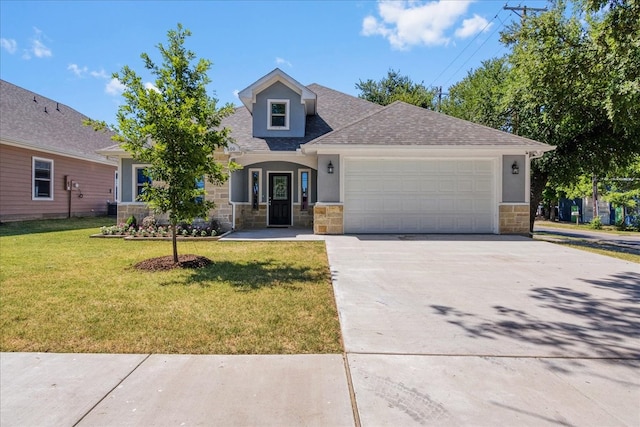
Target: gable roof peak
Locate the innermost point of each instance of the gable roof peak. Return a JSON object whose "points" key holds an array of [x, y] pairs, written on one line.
{"points": [[307, 96]]}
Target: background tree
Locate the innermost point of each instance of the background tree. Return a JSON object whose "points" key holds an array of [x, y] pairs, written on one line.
{"points": [[479, 96], [396, 87], [174, 127], [558, 88]]}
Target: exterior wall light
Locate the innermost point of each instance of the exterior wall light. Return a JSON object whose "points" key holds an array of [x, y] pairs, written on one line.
{"points": [[515, 169], [330, 167]]}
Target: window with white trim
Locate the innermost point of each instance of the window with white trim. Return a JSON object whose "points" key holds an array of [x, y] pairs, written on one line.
{"points": [[278, 117], [42, 179], [141, 179], [304, 180], [255, 187], [200, 186]]}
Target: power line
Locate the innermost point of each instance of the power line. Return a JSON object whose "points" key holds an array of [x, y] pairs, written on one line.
{"points": [[472, 55], [465, 48]]}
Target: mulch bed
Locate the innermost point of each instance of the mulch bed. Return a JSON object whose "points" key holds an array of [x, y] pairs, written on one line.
{"points": [[166, 263]]}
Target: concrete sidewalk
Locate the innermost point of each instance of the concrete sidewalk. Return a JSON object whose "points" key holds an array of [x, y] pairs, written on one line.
{"points": [[173, 390]]}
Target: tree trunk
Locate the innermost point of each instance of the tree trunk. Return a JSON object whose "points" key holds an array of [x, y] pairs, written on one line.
{"points": [[538, 183], [174, 241]]}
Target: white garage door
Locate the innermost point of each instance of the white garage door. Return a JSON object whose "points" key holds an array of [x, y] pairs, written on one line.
{"points": [[419, 196]]}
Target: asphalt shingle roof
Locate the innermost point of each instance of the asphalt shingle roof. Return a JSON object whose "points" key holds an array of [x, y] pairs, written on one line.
{"points": [[403, 124], [334, 110], [32, 120]]}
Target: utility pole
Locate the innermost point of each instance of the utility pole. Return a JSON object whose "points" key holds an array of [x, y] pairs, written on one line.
{"points": [[524, 10]]}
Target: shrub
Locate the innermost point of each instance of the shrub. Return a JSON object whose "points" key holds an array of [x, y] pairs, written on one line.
{"points": [[596, 223], [131, 222], [620, 225], [149, 221]]}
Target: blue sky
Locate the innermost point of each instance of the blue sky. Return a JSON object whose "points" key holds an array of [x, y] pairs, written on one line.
{"points": [[68, 50]]}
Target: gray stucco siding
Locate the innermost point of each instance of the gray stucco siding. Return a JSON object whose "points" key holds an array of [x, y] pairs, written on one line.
{"points": [[513, 186], [297, 116], [328, 184], [126, 180], [240, 180]]}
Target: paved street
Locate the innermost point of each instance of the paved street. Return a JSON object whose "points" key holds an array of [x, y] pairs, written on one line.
{"points": [[628, 241]]}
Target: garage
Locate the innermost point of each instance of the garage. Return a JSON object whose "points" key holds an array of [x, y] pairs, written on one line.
{"points": [[419, 195]]}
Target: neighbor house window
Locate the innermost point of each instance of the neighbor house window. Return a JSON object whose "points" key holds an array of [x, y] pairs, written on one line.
{"points": [[141, 180], [255, 187], [42, 172], [278, 114], [305, 179]]}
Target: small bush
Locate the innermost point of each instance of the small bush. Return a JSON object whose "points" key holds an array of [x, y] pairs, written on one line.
{"points": [[596, 223], [131, 222], [149, 221]]}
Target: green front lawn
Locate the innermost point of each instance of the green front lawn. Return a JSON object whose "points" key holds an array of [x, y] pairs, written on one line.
{"points": [[61, 291]]}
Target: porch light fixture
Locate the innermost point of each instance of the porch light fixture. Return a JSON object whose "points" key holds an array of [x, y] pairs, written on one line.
{"points": [[330, 167], [515, 169]]}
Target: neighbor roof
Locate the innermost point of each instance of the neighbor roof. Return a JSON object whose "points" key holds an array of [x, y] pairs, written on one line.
{"points": [[33, 121], [403, 124]]}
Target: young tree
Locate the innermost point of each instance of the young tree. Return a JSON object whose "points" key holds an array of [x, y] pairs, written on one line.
{"points": [[396, 87], [174, 126]]}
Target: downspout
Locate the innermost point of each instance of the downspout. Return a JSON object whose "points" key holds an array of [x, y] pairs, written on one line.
{"points": [[233, 215]]}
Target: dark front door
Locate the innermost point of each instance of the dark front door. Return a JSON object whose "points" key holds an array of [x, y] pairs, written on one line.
{"points": [[279, 199]]}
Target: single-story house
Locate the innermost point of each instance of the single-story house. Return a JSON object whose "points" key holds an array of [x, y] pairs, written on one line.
{"points": [[49, 167], [315, 157]]}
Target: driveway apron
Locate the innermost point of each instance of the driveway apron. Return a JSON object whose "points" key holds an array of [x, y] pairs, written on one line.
{"points": [[487, 330]]}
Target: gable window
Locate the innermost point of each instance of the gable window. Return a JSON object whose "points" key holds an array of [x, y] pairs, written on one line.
{"points": [[255, 187], [141, 180], [278, 118], [305, 177], [42, 173]]}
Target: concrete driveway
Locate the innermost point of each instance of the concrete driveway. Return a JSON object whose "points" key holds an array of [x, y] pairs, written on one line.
{"points": [[487, 330]]}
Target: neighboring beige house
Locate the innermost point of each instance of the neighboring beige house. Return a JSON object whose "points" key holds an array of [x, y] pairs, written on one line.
{"points": [[318, 158], [49, 167]]}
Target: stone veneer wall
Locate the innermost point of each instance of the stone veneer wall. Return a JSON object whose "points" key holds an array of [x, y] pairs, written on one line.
{"points": [[328, 219], [138, 210], [514, 219], [302, 218], [247, 217]]}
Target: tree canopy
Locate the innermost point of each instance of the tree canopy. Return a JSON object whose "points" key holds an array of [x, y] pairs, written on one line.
{"points": [[396, 87], [174, 126]]}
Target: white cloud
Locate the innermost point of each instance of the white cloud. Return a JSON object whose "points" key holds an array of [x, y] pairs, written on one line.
{"points": [[10, 45], [99, 74], [38, 48], [410, 23], [77, 70], [282, 61], [114, 87], [235, 93], [472, 26], [151, 86]]}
